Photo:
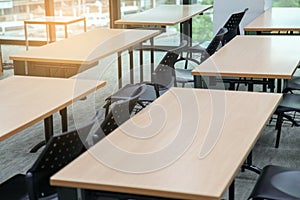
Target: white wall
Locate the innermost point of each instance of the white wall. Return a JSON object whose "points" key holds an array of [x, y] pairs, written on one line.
{"points": [[224, 8]]}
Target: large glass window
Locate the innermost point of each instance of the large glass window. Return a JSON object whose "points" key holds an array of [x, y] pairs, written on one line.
{"points": [[202, 24], [286, 3], [95, 11], [13, 13]]}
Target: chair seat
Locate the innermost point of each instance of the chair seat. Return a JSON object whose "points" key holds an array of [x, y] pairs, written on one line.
{"points": [[290, 102], [127, 91], [148, 95], [197, 49], [14, 188], [293, 84], [278, 183], [184, 75]]}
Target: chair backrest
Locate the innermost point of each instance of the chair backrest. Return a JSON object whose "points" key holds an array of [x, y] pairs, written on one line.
{"points": [[129, 90], [215, 43], [171, 56], [164, 74], [233, 26], [121, 108], [60, 150]]}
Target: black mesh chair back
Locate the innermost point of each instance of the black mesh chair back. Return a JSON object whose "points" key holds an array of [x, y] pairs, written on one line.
{"points": [[185, 75], [121, 110], [60, 150], [233, 26], [129, 90], [171, 56], [164, 75], [215, 43]]}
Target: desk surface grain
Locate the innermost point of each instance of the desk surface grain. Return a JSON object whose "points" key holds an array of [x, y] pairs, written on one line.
{"points": [[188, 144], [25, 100]]}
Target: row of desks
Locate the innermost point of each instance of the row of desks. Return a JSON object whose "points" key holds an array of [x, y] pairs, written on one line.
{"points": [[29, 99], [152, 162], [189, 151], [185, 134], [66, 58], [76, 54]]}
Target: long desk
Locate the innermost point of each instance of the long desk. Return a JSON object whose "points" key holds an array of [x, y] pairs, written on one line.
{"points": [[70, 56], [188, 144], [53, 20], [26, 100], [263, 57], [165, 15], [274, 21]]}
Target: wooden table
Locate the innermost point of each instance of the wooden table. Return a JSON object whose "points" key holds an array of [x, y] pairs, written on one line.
{"points": [[65, 58], [188, 144], [26, 100], [263, 57], [275, 20], [165, 15], [53, 20]]}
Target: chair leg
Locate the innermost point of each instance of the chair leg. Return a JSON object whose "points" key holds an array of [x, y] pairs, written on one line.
{"points": [[264, 86], [188, 55], [278, 127], [231, 86]]}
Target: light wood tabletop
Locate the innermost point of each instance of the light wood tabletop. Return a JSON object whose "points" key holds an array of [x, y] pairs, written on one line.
{"points": [[274, 57], [86, 48], [164, 15], [276, 19], [53, 20], [26, 100], [65, 58], [188, 144]]}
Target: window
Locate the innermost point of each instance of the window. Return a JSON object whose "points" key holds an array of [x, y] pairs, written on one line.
{"points": [[286, 3], [13, 13], [202, 24]]}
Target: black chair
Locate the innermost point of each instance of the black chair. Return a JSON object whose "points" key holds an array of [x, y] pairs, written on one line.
{"points": [[118, 108], [292, 85], [289, 103], [126, 92], [164, 76], [60, 150], [184, 75], [277, 183], [233, 26]]}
